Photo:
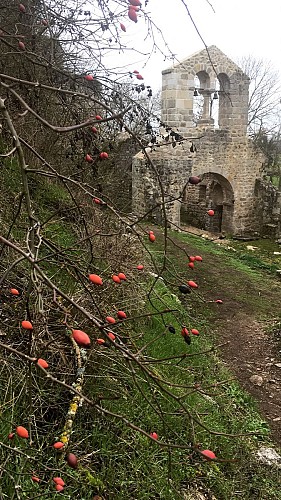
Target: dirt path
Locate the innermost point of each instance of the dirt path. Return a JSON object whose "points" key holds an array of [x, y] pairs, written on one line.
{"points": [[251, 305], [254, 363]]}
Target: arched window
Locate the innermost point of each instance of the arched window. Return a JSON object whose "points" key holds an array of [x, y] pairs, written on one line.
{"points": [[204, 79], [211, 104], [201, 103], [198, 101]]}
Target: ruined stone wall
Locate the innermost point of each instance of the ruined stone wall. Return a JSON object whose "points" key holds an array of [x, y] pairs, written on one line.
{"points": [[268, 208], [231, 170], [225, 158], [233, 157], [174, 167], [236, 165]]}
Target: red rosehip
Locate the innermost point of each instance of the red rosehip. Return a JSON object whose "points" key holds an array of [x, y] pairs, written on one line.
{"points": [[72, 460], [116, 278], [94, 278], [104, 155], [192, 284], [35, 479], [22, 432], [88, 158], [194, 331], [121, 315], [122, 276], [184, 331], [58, 445], [211, 213], [81, 338], [208, 454], [59, 480], [109, 319], [154, 435], [194, 180], [132, 15], [27, 325], [100, 341], [41, 362]]}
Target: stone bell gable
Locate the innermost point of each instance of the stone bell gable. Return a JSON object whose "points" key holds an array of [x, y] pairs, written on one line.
{"points": [[205, 100], [214, 72]]}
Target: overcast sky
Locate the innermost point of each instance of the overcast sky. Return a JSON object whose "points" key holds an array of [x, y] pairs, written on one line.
{"points": [[237, 27]]}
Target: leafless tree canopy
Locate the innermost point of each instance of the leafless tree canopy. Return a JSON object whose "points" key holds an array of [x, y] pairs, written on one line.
{"points": [[265, 94]]}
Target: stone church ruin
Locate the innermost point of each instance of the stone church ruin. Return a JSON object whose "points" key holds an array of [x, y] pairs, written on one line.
{"points": [[216, 148]]}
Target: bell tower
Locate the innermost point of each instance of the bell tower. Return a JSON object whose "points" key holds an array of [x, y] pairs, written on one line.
{"points": [[207, 84]]}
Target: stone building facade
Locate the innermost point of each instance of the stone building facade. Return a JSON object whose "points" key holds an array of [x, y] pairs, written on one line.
{"points": [[215, 147]]}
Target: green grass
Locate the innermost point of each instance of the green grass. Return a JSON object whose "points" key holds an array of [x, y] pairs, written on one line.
{"points": [[275, 179], [237, 254], [130, 466], [125, 463], [116, 461]]}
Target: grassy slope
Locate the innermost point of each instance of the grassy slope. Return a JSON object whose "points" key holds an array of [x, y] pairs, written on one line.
{"points": [[125, 463], [135, 468]]}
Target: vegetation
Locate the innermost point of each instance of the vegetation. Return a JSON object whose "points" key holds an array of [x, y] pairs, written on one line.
{"points": [[264, 113], [105, 391]]}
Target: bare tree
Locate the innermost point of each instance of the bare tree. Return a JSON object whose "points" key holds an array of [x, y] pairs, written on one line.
{"points": [[66, 253], [265, 94]]}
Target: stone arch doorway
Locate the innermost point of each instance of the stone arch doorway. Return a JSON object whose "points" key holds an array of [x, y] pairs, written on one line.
{"points": [[214, 192]]}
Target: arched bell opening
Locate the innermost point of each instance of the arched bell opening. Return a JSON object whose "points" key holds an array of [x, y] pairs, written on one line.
{"points": [[211, 105], [201, 104]]}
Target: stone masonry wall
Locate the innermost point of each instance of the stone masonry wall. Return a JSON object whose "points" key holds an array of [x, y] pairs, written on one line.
{"points": [[234, 161], [174, 167], [268, 208], [178, 88], [234, 158], [225, 158]]}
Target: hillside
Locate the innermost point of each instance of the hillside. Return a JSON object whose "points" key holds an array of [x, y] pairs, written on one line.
{"points": [[248, 322], [183, 393], [119, 363]]}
